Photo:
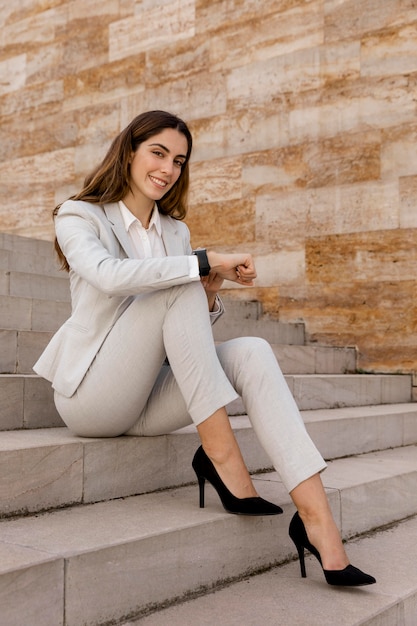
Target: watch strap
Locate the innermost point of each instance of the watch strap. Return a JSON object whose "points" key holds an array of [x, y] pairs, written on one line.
{"points": [[203, 262]]}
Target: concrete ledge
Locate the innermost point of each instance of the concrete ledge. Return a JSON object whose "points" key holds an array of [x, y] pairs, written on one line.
{"points": [[126, 555], [29, 399], [50, 467], [17, 313], [282, 598], [31, 587], [27, 402]]}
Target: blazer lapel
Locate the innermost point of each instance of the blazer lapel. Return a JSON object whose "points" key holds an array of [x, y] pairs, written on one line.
{"points": [[173, 244], [114, 216]]}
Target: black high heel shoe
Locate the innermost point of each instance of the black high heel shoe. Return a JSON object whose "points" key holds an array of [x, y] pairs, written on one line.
{"points": [[350, 576], [205, 470]]}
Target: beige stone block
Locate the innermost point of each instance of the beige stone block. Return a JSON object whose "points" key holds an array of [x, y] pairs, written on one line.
{"points": [[31, 586], [360, 106], [361, 257], [193, 97], [355, 18], [132, 562], [213, 223], [38, 403], [94, 9], [399, 152], [326, 163], [39, 262], [334, 210], [266, 36], [32, 210], [15, 313], [213, 16], [11, 405], [39, 28], [282, 267], [318, 392], [335, 360], [219, 180], [108, 82], [255, 129], [347, 431], [180, 59], [42, 168], [303, 70], [295, 359], [124, 466], [4, 283], [49, 315], [45, 63], [36, 474], [377, 479], [37, 286], [47, 96], [408, 202], [390, 52], [12, 74], [8, 351], [29, 347], [140, 32]]}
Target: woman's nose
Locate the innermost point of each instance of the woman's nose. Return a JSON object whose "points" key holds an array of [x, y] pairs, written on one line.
{"points": [[167, 166]]}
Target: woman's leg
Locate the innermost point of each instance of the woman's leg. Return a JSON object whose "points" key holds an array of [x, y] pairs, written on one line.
{"points": [[220, 445], [252, 368], [254, 372], [125, 378], [311, 501]]}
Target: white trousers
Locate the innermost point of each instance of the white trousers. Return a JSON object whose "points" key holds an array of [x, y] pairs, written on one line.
{"points": [[129, 390]]}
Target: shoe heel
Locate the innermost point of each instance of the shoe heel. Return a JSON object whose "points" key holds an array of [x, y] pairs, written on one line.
{"points": [[201, 485], [300, 550]]}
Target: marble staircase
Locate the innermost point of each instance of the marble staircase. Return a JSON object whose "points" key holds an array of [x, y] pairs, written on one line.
{"points": [[99, 531]]}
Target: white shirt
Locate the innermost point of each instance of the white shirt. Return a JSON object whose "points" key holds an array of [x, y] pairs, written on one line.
{"points": [[148, 243]]}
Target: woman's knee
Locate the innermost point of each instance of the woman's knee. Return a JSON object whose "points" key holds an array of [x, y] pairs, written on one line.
{"points": [[247, 347], [244, 356]]}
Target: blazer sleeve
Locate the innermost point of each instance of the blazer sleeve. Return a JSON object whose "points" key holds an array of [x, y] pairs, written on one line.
{"points": [[93, 252]]}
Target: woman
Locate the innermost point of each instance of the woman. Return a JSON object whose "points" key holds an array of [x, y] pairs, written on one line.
{"points": [[137, 355]]}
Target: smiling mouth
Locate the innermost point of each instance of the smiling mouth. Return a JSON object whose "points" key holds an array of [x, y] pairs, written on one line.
{"points": [[159, 182]]}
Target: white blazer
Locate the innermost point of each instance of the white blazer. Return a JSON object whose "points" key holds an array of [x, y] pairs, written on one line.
{"points": [[104, 279]]}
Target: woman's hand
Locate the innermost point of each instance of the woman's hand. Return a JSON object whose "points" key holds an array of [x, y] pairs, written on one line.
{"points": [[212, 284], [237, 267]]}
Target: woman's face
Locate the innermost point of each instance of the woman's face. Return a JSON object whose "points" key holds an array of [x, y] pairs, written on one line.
{"points": [[156, 165]]}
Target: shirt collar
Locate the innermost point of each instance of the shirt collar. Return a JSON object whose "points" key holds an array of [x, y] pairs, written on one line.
{"points": [[129, 218]]}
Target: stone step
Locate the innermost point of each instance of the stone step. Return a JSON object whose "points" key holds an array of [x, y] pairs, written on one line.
{"points": [[21, 348], [26, 245], [280, 597], [31, 262], [21, 313], [328, 391], [26, 285], [113, 560], [229, 327], [27, 400], [49, 468]]}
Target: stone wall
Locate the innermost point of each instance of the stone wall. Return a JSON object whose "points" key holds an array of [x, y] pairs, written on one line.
{"points": [[304, 118]]}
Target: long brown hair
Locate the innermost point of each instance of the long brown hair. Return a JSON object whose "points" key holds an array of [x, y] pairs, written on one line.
{"points": [[110, 181]]}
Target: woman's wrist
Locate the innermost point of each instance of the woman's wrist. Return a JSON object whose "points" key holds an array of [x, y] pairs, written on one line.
{"points": [[203, 262]]}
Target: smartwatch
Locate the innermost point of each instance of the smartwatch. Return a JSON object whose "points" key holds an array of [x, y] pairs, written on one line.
{"points": [[203, 263]]}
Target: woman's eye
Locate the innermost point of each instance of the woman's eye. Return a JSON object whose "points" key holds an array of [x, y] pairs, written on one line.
{"points": [[179, 163], [157, 153]]}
